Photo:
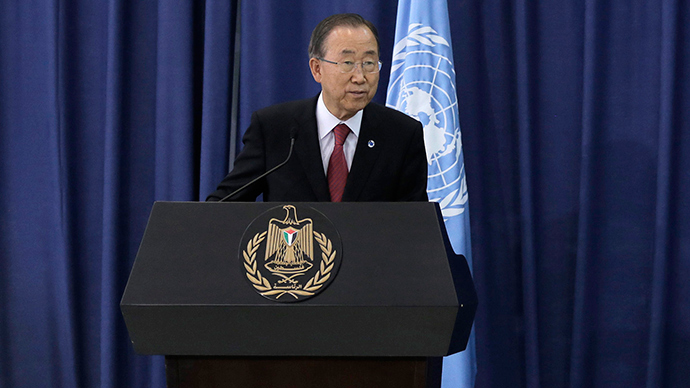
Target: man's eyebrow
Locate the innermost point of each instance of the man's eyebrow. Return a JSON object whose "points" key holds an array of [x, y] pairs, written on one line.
{"points": [[369, 52]]}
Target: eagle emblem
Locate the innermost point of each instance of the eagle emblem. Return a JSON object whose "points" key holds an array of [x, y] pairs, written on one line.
{"points": [[278, 253], [289, 244]]}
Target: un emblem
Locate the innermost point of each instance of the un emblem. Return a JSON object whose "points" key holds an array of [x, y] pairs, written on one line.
{"points": [[288, 259], [423, 86]]}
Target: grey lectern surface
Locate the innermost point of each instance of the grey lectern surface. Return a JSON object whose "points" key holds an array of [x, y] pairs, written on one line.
{"points": [[394, 294]]}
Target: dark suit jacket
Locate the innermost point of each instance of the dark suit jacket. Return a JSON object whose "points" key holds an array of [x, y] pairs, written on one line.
{"points": [[394, 169]]}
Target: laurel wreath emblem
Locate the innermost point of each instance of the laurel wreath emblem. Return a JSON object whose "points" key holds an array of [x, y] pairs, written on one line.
{"points": [[455, 202], [265, 288], [417, 34]]}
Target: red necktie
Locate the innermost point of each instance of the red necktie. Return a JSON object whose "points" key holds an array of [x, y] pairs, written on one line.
{"points": [[337, 166]]}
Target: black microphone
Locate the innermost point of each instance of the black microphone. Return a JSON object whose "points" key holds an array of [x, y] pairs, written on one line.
{"points": [[293, 136]]}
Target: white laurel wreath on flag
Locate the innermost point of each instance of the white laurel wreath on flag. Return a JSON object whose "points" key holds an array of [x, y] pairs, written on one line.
{"points": [[417, 34], [454, 203]]}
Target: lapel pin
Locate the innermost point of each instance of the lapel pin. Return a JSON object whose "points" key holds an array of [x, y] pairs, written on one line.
{"points": [[371, 144]]}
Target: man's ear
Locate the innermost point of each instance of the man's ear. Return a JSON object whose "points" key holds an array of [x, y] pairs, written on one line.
{"points": [[315, 66]]}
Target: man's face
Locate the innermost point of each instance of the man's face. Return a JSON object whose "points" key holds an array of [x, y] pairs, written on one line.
{"points": [[346, 93]]}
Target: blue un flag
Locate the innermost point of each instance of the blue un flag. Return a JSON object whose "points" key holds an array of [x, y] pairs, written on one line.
{"points": [[422, 84]]}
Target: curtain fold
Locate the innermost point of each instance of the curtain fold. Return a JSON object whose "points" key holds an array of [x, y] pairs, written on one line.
{"points": [[527, 129], [219, 39], [114, 200], [664, 173], [180, 52], [673, 351], [62, 307], [579, 350]]}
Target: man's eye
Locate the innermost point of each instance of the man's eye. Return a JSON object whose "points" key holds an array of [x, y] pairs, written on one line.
{"points": [[349, 63], [368, 63]]}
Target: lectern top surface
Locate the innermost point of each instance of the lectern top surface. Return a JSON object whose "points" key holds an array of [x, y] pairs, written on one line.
{"points": [[392, 255]]}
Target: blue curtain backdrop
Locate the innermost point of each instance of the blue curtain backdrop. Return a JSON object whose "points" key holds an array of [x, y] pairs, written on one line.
{"points": [[104, 108], [575, 121]]}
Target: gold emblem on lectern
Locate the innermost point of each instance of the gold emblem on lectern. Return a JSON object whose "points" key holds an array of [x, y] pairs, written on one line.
{"points": [[280, 262]]}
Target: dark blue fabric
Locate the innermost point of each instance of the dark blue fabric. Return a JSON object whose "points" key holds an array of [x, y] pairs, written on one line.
{"points": [[576, 131], [101, 113], [575, 127]]}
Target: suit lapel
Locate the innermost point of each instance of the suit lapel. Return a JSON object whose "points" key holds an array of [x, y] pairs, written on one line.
{"points": [[308, 151], [365, 157]]}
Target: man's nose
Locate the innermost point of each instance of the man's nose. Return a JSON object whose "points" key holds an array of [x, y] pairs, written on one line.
{"points": [[358, 74]]}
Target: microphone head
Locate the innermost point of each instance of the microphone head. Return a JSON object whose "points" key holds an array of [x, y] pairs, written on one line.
{"points": [[293, 133]]}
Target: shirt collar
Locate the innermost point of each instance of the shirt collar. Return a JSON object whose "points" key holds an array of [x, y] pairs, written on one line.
{"points": [[325, 121]]}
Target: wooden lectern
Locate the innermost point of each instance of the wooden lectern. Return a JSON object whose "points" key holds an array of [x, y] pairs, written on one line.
{"points": [[400, 300]]}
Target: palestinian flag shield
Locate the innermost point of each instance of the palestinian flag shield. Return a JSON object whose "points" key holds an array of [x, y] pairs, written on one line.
{"points": [[289, 235]]}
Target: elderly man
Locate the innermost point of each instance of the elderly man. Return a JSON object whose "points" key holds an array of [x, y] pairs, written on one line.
{"points": [[346, 148]]}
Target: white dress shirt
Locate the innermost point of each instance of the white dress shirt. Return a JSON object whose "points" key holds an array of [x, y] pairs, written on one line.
{"points": [[325, 122]]}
